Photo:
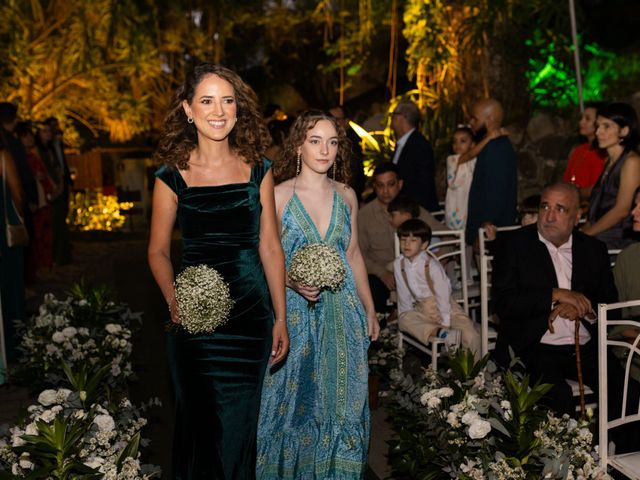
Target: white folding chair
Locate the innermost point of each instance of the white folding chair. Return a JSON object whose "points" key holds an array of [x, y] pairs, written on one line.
{"points": [[627, 463], [456, 251], [488, 334], [454, 241]]}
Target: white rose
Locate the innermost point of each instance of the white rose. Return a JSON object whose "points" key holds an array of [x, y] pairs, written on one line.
{"points": [[479, 429], [58, 337], [25, 462], [433, 402], [113, 328], [51, 349], [445, 392], [469, 417], [505, 404], [59, 321], [83, 303], [47, 397], [16, 437], [452, 419], [105, 423], [425, 397], [47, 416], [69, 332], [94, 462], [31, 429]]}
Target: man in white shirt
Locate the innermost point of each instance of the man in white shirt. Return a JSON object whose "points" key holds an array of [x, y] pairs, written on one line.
{"points": [[547, 277]]}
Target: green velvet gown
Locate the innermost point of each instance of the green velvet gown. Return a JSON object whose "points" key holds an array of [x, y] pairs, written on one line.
{"points": [[218, 377]]}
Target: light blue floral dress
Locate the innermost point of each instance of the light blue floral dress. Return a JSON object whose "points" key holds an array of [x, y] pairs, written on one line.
{"points": [[314, 420]]}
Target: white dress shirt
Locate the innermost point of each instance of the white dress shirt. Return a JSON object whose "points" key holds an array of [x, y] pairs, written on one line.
{"points": [[400, 144], [563, 264], [416, 279]]}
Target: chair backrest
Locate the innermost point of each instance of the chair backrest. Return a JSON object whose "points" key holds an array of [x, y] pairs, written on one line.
{"points": [[450, 245], [613, 255], [631, 347], [485, 285]]}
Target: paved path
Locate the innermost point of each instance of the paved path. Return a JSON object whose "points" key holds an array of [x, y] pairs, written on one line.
{"points": [[119, 260]]}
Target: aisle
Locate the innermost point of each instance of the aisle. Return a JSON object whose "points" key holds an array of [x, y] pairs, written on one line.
{"points": [[120, 261]]}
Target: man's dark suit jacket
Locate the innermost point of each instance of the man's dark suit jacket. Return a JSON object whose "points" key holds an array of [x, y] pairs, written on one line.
{"points": [[417, 170], [523, 277], [493, 196]]}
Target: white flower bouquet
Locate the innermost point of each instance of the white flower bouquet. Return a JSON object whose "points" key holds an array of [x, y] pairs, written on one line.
{"points": [[203, 299], [475, 422], [83, 328], [317, 265], [64, 438]]}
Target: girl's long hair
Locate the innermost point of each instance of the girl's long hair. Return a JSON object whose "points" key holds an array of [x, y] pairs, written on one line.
{"points": [[285, 167]]}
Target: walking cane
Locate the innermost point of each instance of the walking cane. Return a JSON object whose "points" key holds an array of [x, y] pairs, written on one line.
{"points": [[579, 369]]}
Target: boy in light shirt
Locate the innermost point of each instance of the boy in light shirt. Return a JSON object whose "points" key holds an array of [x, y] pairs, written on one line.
{"points": [[425, 307]]}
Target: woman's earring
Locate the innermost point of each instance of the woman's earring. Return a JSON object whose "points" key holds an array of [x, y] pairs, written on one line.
{"points": [[333, 170], [189, 120], [298, 163]]}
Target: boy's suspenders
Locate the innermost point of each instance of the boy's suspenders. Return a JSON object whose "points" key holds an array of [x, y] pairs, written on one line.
{"points": [[427, 278]]}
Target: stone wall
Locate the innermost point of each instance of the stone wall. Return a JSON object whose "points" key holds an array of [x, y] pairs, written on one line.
{"points": [[543, 146]]}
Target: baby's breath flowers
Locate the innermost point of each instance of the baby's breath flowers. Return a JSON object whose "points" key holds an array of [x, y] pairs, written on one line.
{"points": [[203, 299], [317, 265]]}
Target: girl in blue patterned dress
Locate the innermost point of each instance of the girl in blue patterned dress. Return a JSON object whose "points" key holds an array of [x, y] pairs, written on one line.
{"points": [[314, 419]]}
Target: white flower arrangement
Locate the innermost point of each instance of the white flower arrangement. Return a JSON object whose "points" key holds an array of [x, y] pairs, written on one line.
{"points": [[76, 331], [100, 440], [203, 298], [317, 265], [475, 422]]}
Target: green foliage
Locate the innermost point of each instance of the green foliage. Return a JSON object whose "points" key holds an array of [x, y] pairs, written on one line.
{"points": [[551, 72], [471, 420], [91, 61], [55, 448]]}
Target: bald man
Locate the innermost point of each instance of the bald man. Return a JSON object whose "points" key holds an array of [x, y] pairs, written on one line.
{"points": [[494, 189], [546, 278]]}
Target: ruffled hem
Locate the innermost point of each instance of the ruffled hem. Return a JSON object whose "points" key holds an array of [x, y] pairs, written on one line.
{"points": [[327, 450]]}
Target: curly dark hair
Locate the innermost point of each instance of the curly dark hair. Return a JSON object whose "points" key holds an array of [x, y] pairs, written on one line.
{"points": [[285, 167], [249, 138]]}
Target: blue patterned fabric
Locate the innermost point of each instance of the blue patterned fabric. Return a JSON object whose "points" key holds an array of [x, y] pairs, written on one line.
{"points": [[314, 420]]}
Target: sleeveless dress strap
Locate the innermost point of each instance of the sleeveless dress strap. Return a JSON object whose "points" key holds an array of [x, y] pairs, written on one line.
{"points": [[171, 177], [259, 171]]}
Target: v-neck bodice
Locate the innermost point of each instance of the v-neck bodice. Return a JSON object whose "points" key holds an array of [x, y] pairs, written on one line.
{"points": [[299, 229], [305, 213]]}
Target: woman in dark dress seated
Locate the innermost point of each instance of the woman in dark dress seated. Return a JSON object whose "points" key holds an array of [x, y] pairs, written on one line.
{"points": [[611, 197], [217, 185]]}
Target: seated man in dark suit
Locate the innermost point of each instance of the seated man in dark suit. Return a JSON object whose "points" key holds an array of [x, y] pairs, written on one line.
{"points": [[547, 277]]}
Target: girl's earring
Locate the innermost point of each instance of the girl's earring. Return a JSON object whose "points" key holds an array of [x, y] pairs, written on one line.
{"points": [[298, 163], [333, 170], [189, 120]]}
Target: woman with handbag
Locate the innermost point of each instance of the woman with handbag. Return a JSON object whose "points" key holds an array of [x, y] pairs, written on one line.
{"points": [[12, 239]]}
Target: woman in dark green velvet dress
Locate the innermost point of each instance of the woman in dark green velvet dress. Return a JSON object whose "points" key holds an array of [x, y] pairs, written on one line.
{"points": [[220, 190]]}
